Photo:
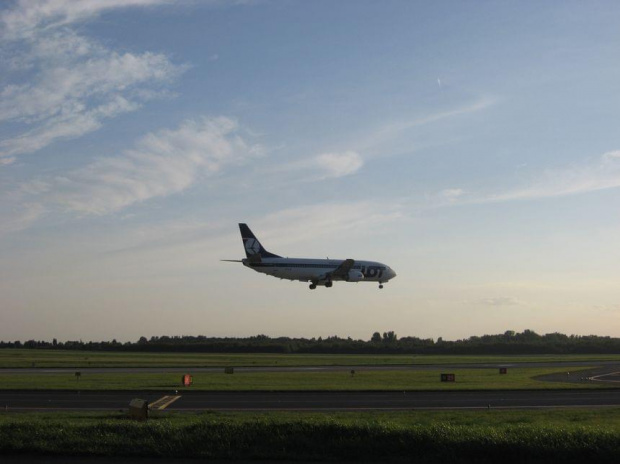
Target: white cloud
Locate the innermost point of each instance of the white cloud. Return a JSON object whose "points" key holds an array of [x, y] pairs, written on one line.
{"points": [[85, 80], [73, 84], [310, 223], [393, 129], [323, 166], [601, 174], [611, 155], [451, 194], [29, 17], [21, 217], [291, 229], [442, 198], [608, 308], [69, 124], [343, 163], [161, 164], [500, 301], [339, 164]]}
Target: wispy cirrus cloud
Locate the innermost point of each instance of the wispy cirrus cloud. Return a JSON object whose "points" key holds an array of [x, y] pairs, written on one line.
{"points": [[615, 308], [602, 173], [28, 17], [451, 194], [324, 166], [160, 164], [70, 123], [338, 164], [324, 220], [310, 223], [500, 301], [389, 131], [62, 85], [19, 216]]}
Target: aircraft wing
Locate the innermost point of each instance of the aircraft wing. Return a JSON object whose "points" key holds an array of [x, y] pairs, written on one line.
{"points": [[343, 269]]}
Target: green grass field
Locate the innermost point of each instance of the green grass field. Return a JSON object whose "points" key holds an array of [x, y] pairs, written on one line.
{"points": [[570, 435], [466, 379], [16, 358], [417, 436]]}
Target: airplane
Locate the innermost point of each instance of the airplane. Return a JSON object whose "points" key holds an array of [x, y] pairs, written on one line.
{"points": [[316, 271]]}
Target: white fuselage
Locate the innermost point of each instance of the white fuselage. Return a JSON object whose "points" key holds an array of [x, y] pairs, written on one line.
{"points": [[318, 270]]}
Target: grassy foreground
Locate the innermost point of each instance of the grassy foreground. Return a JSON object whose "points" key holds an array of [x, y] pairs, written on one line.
{"points": [[398, 380], [16, 358], [487, 436]]}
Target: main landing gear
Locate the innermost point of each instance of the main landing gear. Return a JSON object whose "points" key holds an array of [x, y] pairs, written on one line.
{"points": [[314, 284]]}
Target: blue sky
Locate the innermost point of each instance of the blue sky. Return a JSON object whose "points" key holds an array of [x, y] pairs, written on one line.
{"points": [[474, 147]]}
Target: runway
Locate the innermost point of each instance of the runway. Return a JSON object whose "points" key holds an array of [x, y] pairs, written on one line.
{"points": [[188, 400], [309, 401], [608, 366]]}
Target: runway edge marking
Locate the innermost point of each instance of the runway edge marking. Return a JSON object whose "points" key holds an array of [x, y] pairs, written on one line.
{"points": [[597, 378]]}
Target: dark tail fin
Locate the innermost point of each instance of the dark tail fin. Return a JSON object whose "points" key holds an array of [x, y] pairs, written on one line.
{"points": [[252, 245]]}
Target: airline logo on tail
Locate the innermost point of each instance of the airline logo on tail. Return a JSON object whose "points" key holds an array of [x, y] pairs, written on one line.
{"points": [[252, 246]]}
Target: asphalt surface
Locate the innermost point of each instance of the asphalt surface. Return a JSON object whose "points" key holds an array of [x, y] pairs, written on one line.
{"points": [[306, 401], [609, 375]]}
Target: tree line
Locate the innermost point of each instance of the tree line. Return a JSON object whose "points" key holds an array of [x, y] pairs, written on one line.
{"points": [[510, 342]]}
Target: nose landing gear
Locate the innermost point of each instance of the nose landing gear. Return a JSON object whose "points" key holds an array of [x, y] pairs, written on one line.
{"points": [[380, 285], [312, 286]]}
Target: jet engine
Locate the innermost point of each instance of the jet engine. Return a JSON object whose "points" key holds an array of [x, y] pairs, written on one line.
{"points": [[355, 275]]}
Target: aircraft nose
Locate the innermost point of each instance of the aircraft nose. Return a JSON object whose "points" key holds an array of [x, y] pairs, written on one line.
{"points": [[392, 273]]}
